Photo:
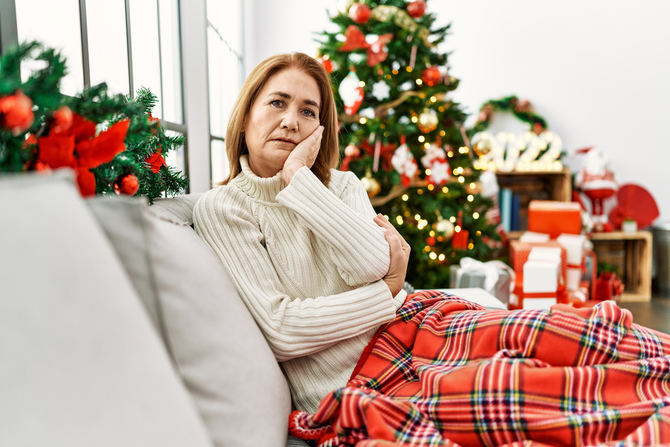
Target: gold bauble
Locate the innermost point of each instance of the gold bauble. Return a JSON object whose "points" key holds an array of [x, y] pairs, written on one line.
{"points": [[445, 227], [428, 120], [482, 147], [371, 185]]}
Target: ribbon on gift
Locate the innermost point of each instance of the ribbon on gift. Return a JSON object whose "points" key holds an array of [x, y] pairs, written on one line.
{"points": [[491, 270], [355, 40]]}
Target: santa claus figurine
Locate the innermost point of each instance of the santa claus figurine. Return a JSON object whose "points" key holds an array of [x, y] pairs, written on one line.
{"points": [[596, 181]]}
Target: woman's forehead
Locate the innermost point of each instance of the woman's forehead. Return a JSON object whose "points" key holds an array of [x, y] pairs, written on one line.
{"points": [[294, 84]]}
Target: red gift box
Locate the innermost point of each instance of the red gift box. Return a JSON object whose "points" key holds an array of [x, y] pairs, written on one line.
{"points": [[554, 218]]}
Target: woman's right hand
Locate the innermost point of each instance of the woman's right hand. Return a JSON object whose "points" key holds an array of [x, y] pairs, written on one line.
{"points": [[400, 250]]}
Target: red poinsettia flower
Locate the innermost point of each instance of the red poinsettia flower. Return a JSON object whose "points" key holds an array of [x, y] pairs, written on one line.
{"points": [[77, 147], [155, 161]]}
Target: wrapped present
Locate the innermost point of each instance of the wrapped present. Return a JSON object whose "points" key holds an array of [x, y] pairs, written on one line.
{"points": [[554, 218], [520, 252], [608, 287], [574, 252], [541, 270], [495, 277], [532, 236]]}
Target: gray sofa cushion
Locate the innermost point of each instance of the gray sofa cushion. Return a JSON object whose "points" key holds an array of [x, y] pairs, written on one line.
{"points": [[80, 363], [218, 350]]}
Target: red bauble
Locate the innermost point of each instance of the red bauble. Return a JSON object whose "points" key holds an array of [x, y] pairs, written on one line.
{"points": [[416, 8], [359, 12], [431, 76], [16, 112], [61, 120], [430, 241], [127, 185]]}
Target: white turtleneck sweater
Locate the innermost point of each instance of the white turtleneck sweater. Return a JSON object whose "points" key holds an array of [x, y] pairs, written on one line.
{"points": [[308, 262]]}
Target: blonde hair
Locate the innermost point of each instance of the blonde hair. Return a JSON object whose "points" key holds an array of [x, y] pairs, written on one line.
{"points": [[328, 156]]}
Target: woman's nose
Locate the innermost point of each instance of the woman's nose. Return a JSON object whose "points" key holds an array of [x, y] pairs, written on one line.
{"points": [[290, 120]]}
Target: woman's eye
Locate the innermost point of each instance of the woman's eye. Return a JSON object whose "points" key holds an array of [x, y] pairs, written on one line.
{"points": [[309, 113], [277, 103]]}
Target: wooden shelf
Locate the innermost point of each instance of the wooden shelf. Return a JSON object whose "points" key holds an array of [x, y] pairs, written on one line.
{"points": [[633, 252], [534, 185]]}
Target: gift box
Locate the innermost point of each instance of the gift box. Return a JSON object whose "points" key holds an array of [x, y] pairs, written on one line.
{"points": [[520, 252], [574, 253], [608, 287], [554, 218], [541, 270], [495, 277]]}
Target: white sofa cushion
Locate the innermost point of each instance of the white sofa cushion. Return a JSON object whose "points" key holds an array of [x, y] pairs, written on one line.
{"points": [[219, 351], [80, 363]]}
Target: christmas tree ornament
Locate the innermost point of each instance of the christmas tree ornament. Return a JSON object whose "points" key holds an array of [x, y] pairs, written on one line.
{"points": [[416, 8], [352, 150], [326, 63], [435, 160], [380, 90], [431, 76], [61, 120], [355, 40], [460, 238], [156, 161], [127, 185], [383, 13], [16, 113], [430, 240], [351, 93], [406, 86], [404, 163], [371, 185], [482, 147], [445, 227], [359, 12], [427, 120], [367, 112]]}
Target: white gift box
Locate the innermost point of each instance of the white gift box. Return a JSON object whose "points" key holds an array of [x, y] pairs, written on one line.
{"points": [[538, 303], [532, 236], [540, 276], [574, 250]]}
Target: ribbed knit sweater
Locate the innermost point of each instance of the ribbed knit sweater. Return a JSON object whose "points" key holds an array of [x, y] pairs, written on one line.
{"points": [[308, 262]]}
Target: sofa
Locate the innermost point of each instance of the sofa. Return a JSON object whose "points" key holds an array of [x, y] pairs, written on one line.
{"points": [[119, 326]]}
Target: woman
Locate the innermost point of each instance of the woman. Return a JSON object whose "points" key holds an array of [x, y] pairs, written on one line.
{"points": [[317, 269]]}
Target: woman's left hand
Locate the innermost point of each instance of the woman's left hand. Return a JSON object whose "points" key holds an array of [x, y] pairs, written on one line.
{"points": [[304, 154]]}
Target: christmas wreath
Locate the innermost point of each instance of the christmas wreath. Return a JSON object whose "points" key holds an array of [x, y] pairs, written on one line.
{"points": [[521, 108], [112, 142]]}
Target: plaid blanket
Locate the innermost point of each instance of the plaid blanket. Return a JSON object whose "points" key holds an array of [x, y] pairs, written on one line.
{"points": [[447, 372]]}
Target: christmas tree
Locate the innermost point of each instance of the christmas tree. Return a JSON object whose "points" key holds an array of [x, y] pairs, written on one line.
{"points": [[112, 142], [403, 135]]}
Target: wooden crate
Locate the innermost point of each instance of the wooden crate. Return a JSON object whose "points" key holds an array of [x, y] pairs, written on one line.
{"points": [[631, 254], [550, 185]]}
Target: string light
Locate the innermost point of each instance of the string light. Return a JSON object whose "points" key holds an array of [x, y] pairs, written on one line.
{"points": [[445, 189], [426, 248], [430, 187], [433, 99], [463, 150], [417, 217], [415, 119], [388, 76], [471, 246], [399, 220], [441, 257], [450, 154], [428, 171], [419, 82], [441, 108], [457, 228], [461, 179], [431, 233], [394, 71], [452, 219], [421, 138], [386, 217], [475, 215], [442, 132], [426, 145], [419, 191], [363, 120], [361, 83], [432, 255], [472, 185], [405, 197], [409, 69], [470, 197], [478, 233], [458, 171]]}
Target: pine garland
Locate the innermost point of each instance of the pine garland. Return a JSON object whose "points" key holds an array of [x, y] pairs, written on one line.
{"points": [[23, 144]]}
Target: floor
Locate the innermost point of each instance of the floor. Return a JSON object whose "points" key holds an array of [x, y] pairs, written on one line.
{"points": [[654, 314]]}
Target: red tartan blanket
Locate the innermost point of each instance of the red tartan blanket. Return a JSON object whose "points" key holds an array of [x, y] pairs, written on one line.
{"points": [[448, 372]]}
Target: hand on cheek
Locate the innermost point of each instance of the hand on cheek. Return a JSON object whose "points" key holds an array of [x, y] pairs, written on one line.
{"points": [[304, 154]]}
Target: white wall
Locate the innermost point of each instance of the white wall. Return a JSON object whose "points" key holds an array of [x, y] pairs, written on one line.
{"points": [[597, 70]]}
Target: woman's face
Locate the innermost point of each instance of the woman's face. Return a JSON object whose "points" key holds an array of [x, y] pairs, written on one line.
{"points": [[284, 113]]}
